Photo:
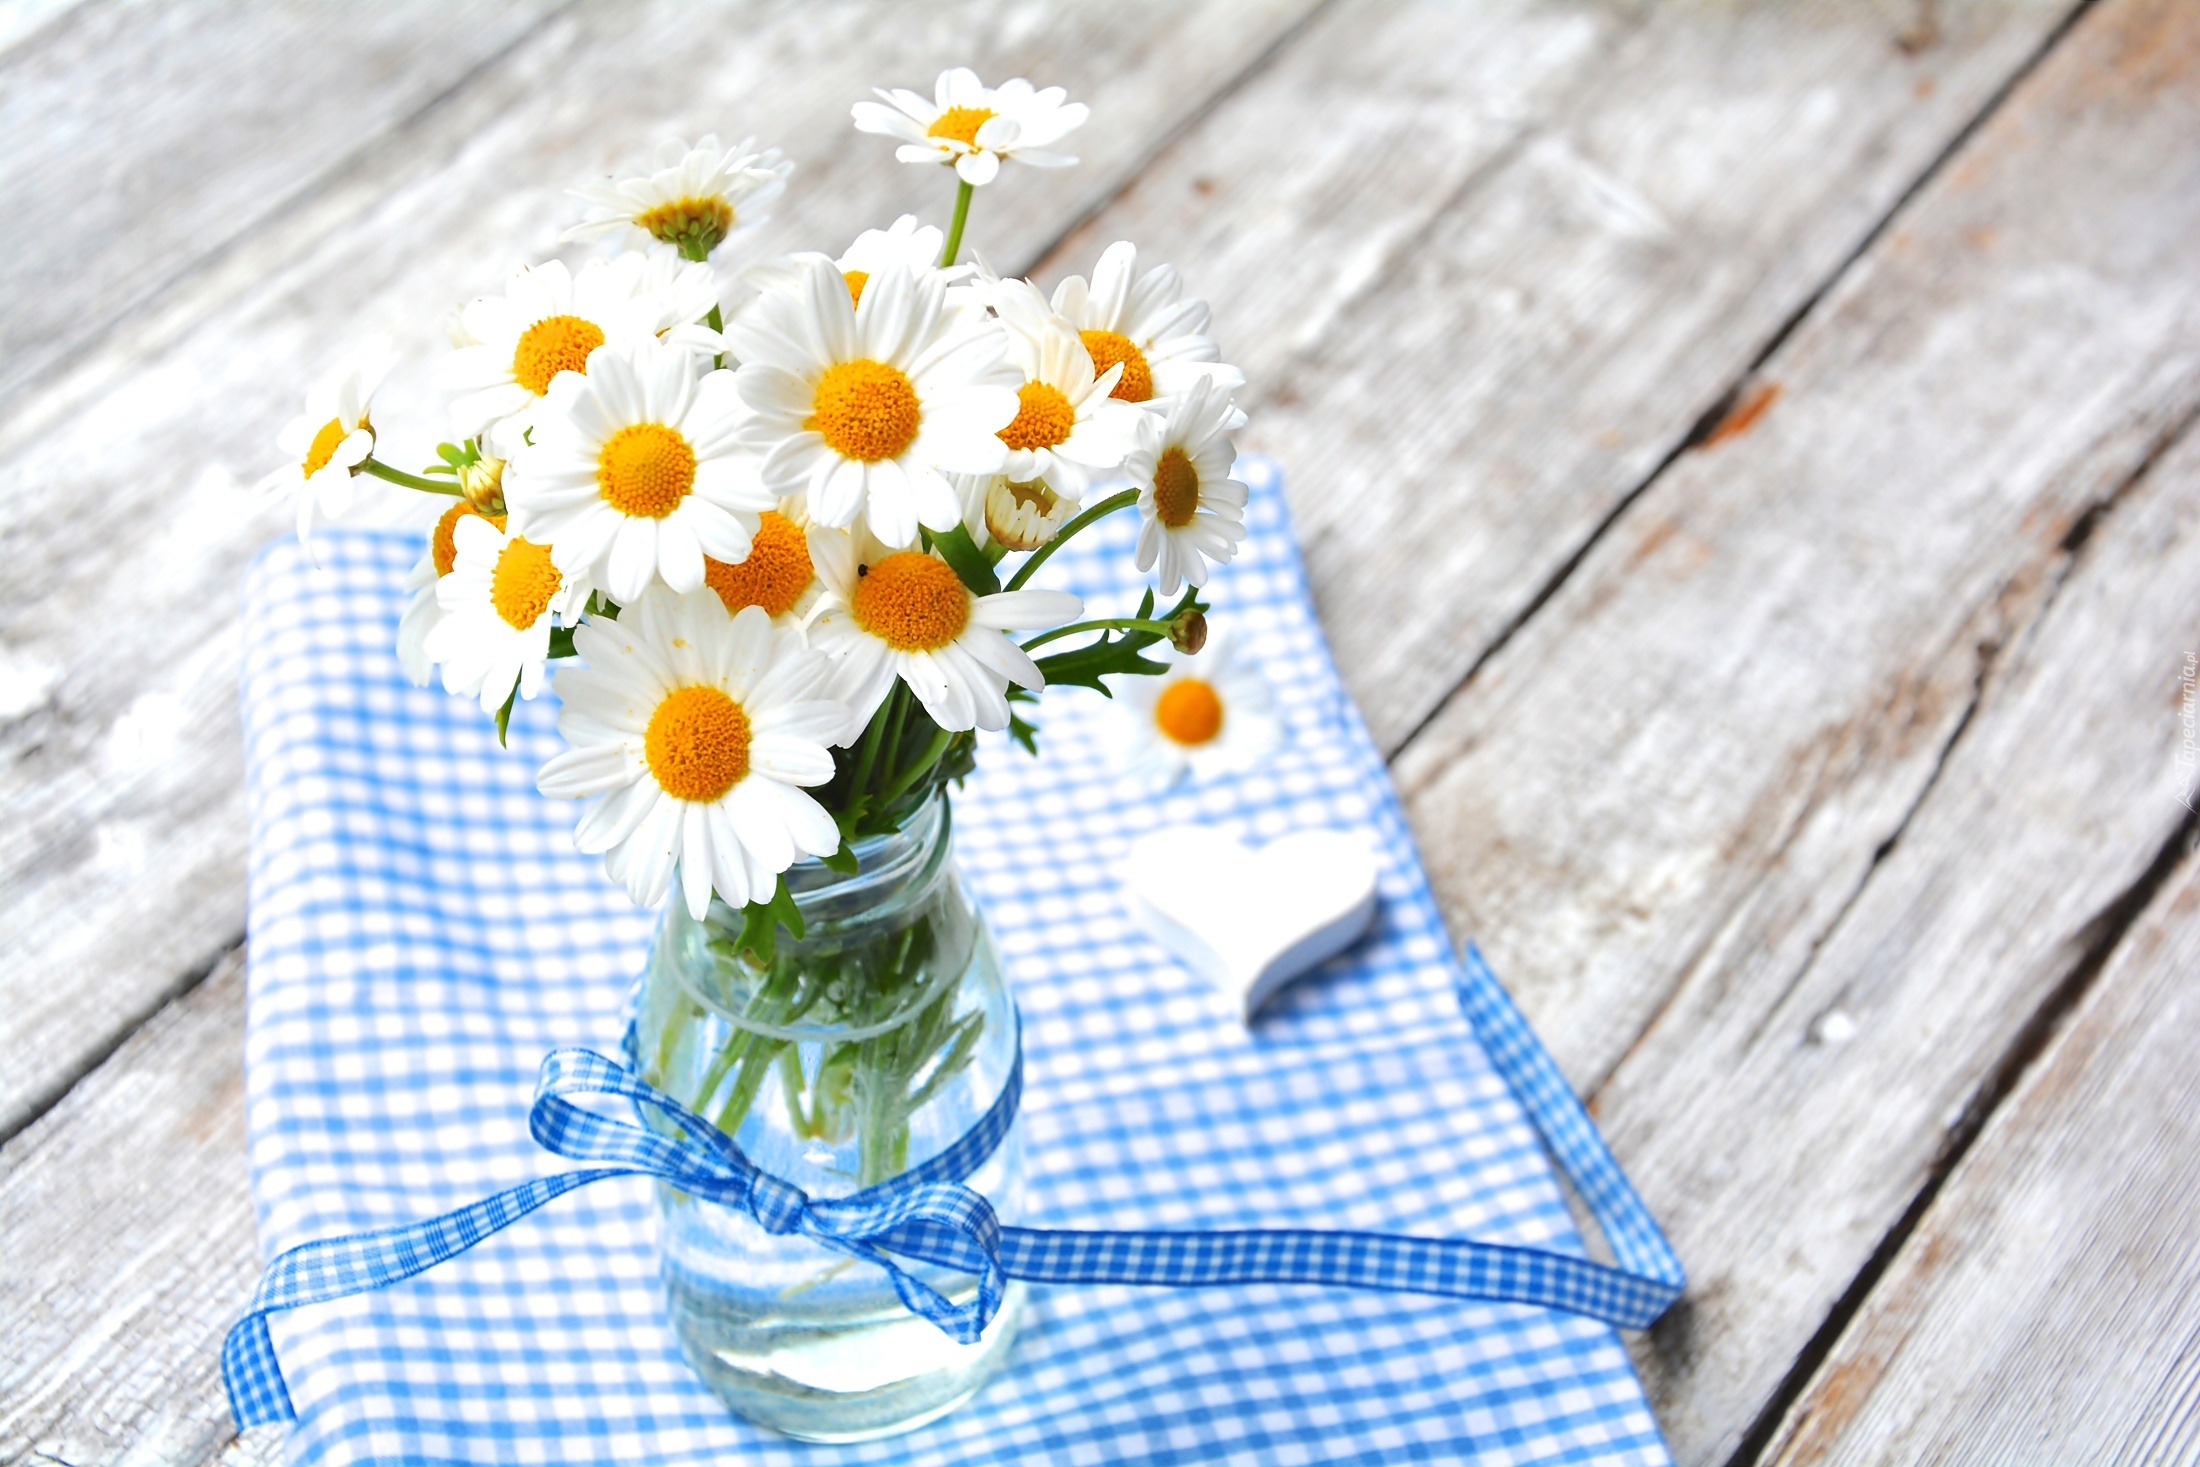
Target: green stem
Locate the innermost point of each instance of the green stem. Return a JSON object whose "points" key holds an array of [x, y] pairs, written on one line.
{"points": [[867, 751], [1103, 624], [963, 191], [382, 470], [941, 738], [1099, 511], [899, 715]]}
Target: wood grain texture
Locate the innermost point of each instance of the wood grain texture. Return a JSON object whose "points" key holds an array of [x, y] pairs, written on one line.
{"points": [[136, 141], [130, 1249], [1486, 266], [121, 865], [1785, 759], [2047, 1309]]}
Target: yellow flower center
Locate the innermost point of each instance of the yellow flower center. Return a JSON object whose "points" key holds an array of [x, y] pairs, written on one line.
{"points": [[695, 225], [960, 124], [912, 602], [523, 582], [645, 470], [864, 410], [774, 575], [1108, 348], [324, 445], [697, 743], [552, 345], [856, 279], [1043, 417], [1175, 489], [1188, 711], [443, 544]]}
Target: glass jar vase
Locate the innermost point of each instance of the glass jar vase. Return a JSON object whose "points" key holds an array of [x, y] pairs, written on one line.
{"points": [[864, 1047]]}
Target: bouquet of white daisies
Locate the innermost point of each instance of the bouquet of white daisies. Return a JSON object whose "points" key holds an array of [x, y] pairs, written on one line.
{"points": [[779, 522]]}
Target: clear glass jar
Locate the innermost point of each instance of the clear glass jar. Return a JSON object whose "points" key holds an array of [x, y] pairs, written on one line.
{"points": [[867, 1045]]}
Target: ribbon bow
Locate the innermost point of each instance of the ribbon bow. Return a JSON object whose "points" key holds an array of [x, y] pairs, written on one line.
{"points": [[927, 1214]]}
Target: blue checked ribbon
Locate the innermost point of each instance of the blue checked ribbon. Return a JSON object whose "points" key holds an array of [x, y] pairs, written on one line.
{"points": [[927, 1214]]}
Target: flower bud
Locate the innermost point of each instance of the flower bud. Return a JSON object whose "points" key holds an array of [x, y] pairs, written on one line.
{"points": [[1024, 516], [482, 482], [1188, 630]]}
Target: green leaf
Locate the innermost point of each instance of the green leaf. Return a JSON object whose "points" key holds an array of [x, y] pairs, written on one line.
{"points": [[1084, 667], [561, 642], [843, 860], [961, 552], [504, 716], [1025, 732], [761, 921]]}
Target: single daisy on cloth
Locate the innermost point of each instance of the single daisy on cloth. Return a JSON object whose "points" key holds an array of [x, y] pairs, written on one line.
{"points": [[425, 609], [780, 570], [1141, 323], [498, 604], [547, 321], [864, 408], [971, 127], [1067, 430], [635, 472], [694, 733], [691, 199], [1193, 512], [1209, 715], [888, 613], [325, 445]]}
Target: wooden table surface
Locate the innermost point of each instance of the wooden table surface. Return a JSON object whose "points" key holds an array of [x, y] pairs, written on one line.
{"points": [[1746, 463]]}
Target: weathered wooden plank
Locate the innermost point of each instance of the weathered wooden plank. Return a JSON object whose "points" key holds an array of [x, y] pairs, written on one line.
{"points": [[2047, 1308], [121, 863], [1787, 811], [130, 1248], [1485, 267], [137, 140]]}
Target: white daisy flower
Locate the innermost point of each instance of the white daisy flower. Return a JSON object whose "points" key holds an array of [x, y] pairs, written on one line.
{"points": [[424, 610], [1067, 430], [972, 127], [497, 605], [635, 473], [905, 245], [888, 613], [326, 444], [1211, 715], [865, 408], [1140, 322], [694, 733], [513, 346], [1193, 511], [692, 198], [780, 570]]}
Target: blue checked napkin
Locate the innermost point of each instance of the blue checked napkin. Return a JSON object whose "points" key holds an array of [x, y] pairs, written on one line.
{"points": [[422, 932]]}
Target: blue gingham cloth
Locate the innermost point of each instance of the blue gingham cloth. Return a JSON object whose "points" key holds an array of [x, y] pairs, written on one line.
{"points": [[422, 933]]}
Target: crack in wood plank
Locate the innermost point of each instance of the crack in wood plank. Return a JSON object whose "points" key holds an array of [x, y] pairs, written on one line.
{"points": [[1725, 417], [2102, 936], [2098, 941], [35, 1106], [153, 274]]}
